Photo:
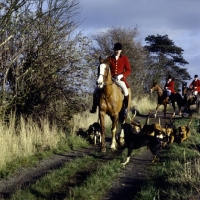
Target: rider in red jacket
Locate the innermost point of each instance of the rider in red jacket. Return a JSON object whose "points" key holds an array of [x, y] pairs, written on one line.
{"points": [[195, 85], [169, 86], [120, 69]]}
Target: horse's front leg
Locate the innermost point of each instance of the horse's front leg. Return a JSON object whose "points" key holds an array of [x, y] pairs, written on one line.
{"points": [[180, 111], [113, 131], [155, 115], [102, 122]]}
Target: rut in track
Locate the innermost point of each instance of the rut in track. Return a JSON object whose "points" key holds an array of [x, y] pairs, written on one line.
{"points": [[125, 186]]}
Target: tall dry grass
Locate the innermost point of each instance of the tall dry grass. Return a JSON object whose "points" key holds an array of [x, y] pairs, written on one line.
{"points": [[27, 138], [85, 119], [145, 104]]}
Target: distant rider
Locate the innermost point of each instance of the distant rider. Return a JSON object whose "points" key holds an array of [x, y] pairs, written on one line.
{"points": [[169, 87], [195, 85]]}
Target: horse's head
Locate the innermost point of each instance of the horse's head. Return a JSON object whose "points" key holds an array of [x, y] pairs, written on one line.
{"points": [[154, 87], [184, 88], [104, 73], [184, 84], [189, 95]]}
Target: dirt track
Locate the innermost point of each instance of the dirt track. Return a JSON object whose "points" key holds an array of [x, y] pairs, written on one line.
{"points": [[124, 187]]}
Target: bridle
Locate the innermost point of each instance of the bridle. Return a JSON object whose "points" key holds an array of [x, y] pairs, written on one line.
{"points": [[105, 81], [156, 89]]}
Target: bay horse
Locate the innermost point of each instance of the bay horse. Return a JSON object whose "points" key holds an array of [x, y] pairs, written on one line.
{"points": [[110, 102], [188, 96], [163, 99]]}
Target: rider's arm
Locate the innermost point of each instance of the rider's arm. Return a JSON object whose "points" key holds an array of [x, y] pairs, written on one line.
{"points": [[127, 67]]}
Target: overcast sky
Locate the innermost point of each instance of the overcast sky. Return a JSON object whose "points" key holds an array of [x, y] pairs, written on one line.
{"points": [[179, 19]]}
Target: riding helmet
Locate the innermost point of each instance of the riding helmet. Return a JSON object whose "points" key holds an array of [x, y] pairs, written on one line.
{"points": [[117, 46], [169, 77]]}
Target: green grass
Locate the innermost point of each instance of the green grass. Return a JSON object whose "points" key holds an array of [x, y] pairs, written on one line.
{"points": [[71, 143], [177, 176], [53, 182], [56, 184]]}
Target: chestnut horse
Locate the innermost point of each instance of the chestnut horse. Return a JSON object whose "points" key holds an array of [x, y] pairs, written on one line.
{"points": [[163, 100], [111, 102]]}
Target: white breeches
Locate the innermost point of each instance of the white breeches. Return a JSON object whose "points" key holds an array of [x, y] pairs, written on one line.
{"points": [[122, 85], [195, 92], [169, 93]]}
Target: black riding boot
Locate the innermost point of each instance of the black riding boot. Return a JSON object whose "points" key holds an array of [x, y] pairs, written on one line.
{"points": [[195, 99], [95, 104], [126, 98]]}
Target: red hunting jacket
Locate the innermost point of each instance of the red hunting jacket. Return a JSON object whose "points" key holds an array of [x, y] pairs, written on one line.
{"points": [[120, 66], [170, 86], [195, 84]]}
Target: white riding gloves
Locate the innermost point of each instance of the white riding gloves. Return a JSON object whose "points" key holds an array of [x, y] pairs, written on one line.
{"points": [[119, 77]]}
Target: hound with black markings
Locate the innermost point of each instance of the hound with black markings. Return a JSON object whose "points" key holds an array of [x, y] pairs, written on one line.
{"points": [[133, 141], [94, 132]]}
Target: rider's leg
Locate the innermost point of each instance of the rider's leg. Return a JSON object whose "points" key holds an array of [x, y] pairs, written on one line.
{"points": [[195, 95], [126, 96], [126, 99], [168, 95], [95, 101]]}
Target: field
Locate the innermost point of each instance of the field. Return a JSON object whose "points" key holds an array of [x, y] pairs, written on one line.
{"points": [[47, 163]]}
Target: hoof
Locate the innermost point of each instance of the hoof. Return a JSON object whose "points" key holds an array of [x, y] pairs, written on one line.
{"points": [[113, 146], [103, 149]]}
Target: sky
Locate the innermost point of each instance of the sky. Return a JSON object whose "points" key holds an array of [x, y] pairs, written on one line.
{"points": [[179, 19]]}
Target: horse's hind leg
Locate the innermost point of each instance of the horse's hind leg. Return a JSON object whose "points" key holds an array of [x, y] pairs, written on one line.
{"points": [[174, 112], [155, 115], [180, 111]]}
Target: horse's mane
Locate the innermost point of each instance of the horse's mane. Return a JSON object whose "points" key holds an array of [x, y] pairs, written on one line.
{"points": [[104, 60]]}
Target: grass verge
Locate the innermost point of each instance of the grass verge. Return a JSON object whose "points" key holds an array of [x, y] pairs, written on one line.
{"points": [[69, 144], [177, 176]]}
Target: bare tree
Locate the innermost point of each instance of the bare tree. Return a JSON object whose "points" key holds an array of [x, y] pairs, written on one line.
{"points": [[44, 62], [129, 38]]}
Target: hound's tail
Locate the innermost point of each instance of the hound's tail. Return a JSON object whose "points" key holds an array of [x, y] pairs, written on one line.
{"points": [[147, 120], [189, 123]]}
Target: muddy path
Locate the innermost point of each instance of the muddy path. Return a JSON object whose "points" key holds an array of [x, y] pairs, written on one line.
{"points": [[125, 186]]}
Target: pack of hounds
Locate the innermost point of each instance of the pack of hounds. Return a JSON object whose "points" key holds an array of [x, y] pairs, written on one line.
{"points": [[133, 135]]}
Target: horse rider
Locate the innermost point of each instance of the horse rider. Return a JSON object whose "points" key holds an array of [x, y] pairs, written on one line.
{"points": [[195, 85], [169, 87], [120, 70]]}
